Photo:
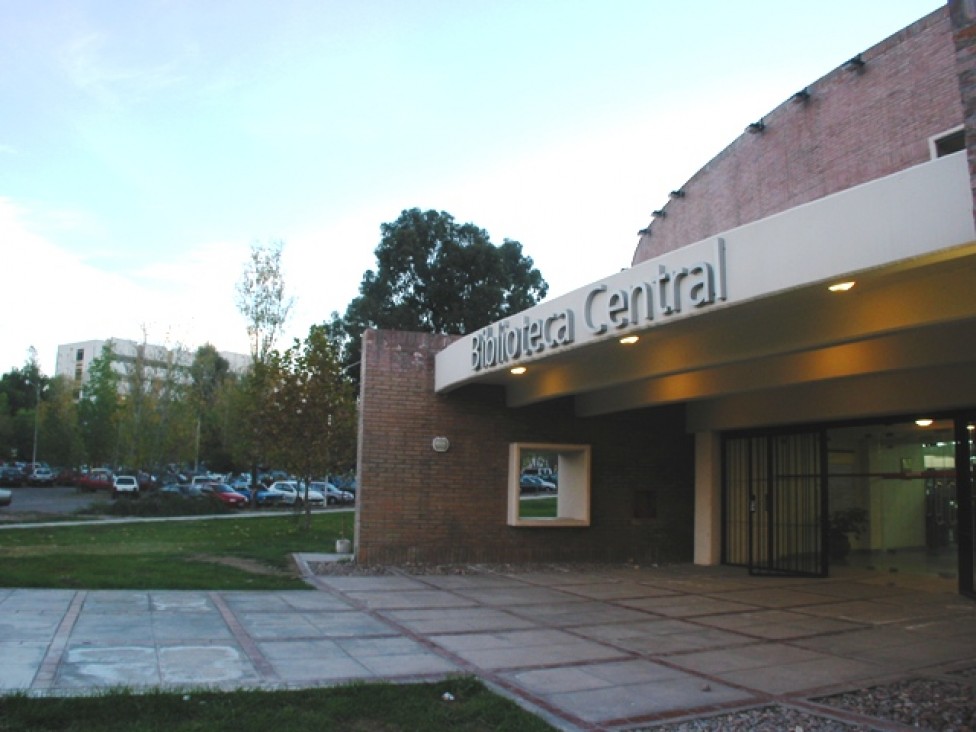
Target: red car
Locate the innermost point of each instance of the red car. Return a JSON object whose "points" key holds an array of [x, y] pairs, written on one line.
{"points": [[224, 493], [94, 480]]}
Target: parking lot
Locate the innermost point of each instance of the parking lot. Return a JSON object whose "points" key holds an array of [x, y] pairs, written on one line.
{"points": [[57, 500], [31, 503]]}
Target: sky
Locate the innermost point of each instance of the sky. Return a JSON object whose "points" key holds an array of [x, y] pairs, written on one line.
{"points": [[146, 145]]}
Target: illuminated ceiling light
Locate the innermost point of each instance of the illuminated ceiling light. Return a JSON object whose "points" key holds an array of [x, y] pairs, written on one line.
{"points": [[924, 422], [519, 370], [841, 286], [629, 340]]}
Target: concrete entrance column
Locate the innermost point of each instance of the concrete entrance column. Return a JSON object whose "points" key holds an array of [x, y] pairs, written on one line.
{"points": [[708, 498]]}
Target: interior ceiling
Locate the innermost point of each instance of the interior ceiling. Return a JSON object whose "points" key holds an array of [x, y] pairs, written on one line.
{"points": [[905, 317], [895, 433]]}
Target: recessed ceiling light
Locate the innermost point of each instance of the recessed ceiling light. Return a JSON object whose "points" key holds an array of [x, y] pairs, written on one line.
{"points": [[629, 340], [924, 422], [841, 286], [519, 370]]}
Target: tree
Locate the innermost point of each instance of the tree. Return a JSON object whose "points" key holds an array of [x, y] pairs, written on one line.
{"points": [[98, 408], [60, 436], [208, 374], [261, 298], [312, 411], [437, 276], [21, 390]]}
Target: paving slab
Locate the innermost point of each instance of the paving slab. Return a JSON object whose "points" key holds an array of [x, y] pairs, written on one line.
{"points": [[686, 606], [21, 660], [612, 651], [458, 620], [525, 648]]}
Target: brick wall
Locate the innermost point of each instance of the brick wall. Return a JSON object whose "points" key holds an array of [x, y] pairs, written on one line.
{"points": [[419, 506], [855, 127], [963, 17]]}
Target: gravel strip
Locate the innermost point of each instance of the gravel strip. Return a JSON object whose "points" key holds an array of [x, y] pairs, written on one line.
{"points": [[966, 673], [763, 719], [349, 568], [929, 704]]}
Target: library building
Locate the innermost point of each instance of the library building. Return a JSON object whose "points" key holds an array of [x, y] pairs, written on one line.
{"points": [[784, 380]]}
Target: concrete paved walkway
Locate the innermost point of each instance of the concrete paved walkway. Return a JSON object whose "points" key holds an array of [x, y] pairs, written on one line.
{"points": [[614, 649]]}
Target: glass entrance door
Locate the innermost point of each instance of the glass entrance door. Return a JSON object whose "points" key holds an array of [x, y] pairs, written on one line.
{"points": [[893, 497]]}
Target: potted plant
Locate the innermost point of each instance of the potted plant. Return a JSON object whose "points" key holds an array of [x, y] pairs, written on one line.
{"points": [[842, 526]]}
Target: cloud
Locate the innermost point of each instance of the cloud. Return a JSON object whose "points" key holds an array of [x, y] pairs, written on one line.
{"points": [[52, 296]]}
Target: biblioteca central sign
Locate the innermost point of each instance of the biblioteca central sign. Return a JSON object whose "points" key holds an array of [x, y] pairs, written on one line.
{"points": [[664, 291]]}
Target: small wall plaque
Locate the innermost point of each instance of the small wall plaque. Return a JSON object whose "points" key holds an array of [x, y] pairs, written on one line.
{"points": [[441, 444]]}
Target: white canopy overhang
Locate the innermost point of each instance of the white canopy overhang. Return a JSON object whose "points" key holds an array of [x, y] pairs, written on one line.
{"points": [[747, 313]]}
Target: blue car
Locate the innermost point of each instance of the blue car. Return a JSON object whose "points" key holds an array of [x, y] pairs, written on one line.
{"points": [[263, 497]]}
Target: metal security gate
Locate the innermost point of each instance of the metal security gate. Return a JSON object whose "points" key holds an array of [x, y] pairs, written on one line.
{"points": [[775, 503], [966, 498]]}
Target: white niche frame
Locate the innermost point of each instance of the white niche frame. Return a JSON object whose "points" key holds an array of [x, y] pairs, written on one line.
{"points": [[573, 498]]}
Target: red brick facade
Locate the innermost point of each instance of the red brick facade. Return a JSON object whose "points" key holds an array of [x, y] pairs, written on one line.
{"points": [[857, 125], [420, 506], [963, 16]]}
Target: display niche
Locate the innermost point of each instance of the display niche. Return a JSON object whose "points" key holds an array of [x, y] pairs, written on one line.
{"points": [[548, 485]]}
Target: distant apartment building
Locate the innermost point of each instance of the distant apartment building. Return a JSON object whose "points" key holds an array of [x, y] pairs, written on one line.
{"points": [[159, 362]]}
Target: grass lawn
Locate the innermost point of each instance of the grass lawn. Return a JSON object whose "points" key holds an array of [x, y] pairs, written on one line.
{"points": [[358, 707], [215, 554], [223, 554], [538, 507]]}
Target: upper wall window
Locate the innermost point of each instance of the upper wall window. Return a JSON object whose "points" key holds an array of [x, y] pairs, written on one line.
{"points": [[948, 142]]}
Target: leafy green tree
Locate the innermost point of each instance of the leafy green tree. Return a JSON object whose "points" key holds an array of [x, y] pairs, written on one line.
{"points": [[6, 428], [437, 276], [23, 389], [208, 375], [98, 408], [243, 406], [311, 415], [261, 298], [60, 435], [174, 420]]}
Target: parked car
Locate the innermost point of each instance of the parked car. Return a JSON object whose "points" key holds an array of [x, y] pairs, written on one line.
{"points": [[261, 496], [6, 496], [125, 485], [533, 483], [333, 495], [223, 493], [11, 477], [94, 480], [41, 476], [293, 494], [240, 483]]}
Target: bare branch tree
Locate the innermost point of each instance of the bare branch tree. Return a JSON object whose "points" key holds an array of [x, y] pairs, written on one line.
{"points": [[261, 297]]}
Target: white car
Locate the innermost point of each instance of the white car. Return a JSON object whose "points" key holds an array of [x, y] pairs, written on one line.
{"points": [[125, 485], [41, 476], [293, 494], [332, 494]]}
